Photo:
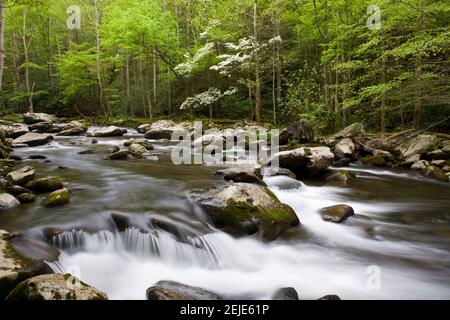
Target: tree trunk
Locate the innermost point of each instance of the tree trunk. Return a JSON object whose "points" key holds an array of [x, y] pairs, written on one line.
{"points": [[155, 85], [418, 97], [256, 58], [383, 104], [2, 43], [149, 98], [127, 81], [99, 69], [142, 83], [27, 69]]}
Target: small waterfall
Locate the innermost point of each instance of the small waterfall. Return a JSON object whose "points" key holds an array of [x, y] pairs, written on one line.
{"points": [[157, 244]]}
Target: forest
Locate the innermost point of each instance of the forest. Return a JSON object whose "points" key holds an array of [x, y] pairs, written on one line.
{"points": [[330, 62]]}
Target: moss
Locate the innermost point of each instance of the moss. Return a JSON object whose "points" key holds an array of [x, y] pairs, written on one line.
{"points": [[376, 161], [48, 184], [57, 198]]}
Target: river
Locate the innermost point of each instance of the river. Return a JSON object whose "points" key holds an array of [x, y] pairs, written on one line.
{"points": [[396, 247]]}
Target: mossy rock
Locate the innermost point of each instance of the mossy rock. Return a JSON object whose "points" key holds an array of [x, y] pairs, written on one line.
{"points": [[57, 198], [55, 287], [337, 214], [376, 161], [246, 209], [26, 198], [48, 184]]}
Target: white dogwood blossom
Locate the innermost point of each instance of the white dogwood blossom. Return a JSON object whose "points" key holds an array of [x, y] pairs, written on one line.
{"points": [[187, 67], [206, 98]]}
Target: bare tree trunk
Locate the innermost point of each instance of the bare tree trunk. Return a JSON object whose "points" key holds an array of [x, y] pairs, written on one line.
{"points": [[418, 97], [27, 68], [127, 81], [99, 69], [2, 43], [149, 98], [256, 58], [383, 103], [142, 82], [155, 85]]}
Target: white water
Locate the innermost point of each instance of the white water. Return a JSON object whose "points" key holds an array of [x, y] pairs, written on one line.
{"points": [[333, 261]]}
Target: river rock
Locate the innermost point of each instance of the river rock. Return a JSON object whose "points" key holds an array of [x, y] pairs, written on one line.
{"points": [[47, 184], [37, 157], [351, 131], [119, 155], [330, 297], [436, 173], [76, 131], [8, 201], [242, 174], [337, 214], [207, 139], [137, 150], [57, 198], [40, 127], [26, 197], [306, 162], [33, 139], [376, 161], [111, 131], [14, 267], [300, 131], [13, 130], [16, 190], [55, 287], [344, 162], [32, 118], [101, 149], [288, 293], [162, 129], [419, 145], [245, 209], [143, 128], [170, 290], [420, 165], [345, 149], [342, 177], [21, 176]]}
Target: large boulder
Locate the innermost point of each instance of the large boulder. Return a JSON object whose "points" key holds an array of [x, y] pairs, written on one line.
{"points": [[55, 287], [14, 267], [337, 214], [111, 131], [137, 150], [40, 127], [162, 129], [57, 198], [351, 131], [421, 144], [300, 131], [100, 149], [21, 176], [33, 139], [8, 201], [306, 162], [13, 130], [345, 149], [143, 128], [248, 174], [170, 290], [119, 155], [32, 118], [245, 209]]}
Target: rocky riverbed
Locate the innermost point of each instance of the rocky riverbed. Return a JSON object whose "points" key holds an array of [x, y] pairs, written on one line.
{"points": [[107, 205]]}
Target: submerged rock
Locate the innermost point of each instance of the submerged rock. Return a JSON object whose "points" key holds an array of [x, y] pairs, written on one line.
{"points": [[33, 139], [16, 190], [55, 287], [245, 209], [170, 290], [288, 293], [242, 174], [306, 162], [376, 161], [100, 149], [119, 155], [344, 162], [330, 297], [26, 197], [343, 177], [111, 131], [57, 198], [337, 214], [8, 201], [21, 176], [137, 150]]}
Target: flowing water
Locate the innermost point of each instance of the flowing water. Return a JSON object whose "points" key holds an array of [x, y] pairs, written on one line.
{"points": [[397, 246]]}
